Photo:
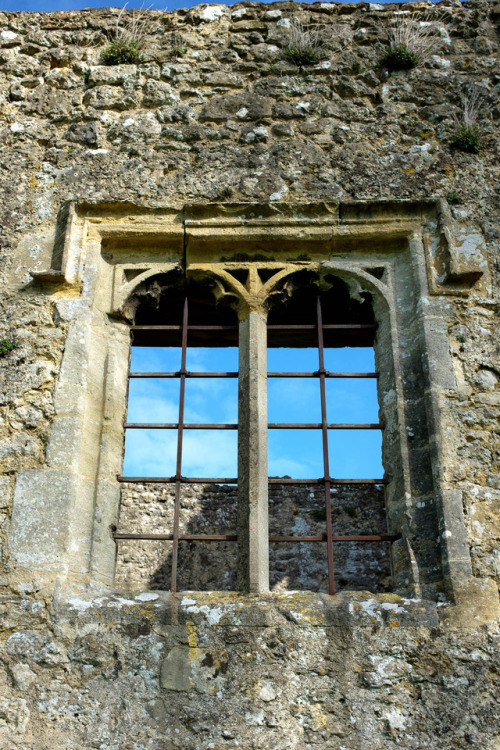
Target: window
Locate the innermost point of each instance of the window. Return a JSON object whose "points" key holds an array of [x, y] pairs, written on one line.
{"points": [[402, 253], [179, 334], [314, 331]]}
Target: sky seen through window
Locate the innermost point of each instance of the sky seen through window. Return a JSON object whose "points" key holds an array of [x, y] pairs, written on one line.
{"points": [[213, 453]]}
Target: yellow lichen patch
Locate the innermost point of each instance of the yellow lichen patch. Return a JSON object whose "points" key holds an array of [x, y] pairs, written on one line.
{"points": [[192, 637], [319, 717], [302, 606], [389, 598], [208, 667]]}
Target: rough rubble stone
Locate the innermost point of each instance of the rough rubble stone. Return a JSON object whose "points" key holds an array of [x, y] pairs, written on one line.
{"points": [[135, 668]]}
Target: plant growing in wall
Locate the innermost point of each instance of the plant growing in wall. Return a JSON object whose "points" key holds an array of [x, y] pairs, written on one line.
{"points": [[411, 41], [177, 46], [6, 346], [453, 198], [129, 39], [304, 46], [466, 136]]}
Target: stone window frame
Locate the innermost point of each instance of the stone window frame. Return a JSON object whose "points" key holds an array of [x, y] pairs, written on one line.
{"points": [[407, 255]]}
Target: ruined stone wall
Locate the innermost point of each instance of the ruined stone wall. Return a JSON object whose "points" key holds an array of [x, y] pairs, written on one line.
{"points": [[231, 120]]}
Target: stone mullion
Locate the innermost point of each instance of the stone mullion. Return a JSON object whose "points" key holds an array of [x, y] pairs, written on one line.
{"points": [[253, 533]]}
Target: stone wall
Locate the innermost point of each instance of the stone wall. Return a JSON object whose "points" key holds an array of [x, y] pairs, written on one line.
{"points": [[219, 672], [211, 509], [231, 120]]}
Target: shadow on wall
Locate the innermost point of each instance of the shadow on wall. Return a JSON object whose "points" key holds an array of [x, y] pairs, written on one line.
{"points": [[293, 511]]}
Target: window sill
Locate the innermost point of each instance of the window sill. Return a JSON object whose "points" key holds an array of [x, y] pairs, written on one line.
{"points": [[477, 605]]}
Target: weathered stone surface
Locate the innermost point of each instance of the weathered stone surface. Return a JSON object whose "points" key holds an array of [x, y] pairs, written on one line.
{"points": [[40, 509], [237, 106], [232, 121], [175, 670]]}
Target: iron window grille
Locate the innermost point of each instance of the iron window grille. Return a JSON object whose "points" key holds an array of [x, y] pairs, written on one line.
{"points": [[342, 331]]}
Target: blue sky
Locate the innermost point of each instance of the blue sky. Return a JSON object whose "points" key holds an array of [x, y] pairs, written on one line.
{"points": [[296, 453], [45, 5]]}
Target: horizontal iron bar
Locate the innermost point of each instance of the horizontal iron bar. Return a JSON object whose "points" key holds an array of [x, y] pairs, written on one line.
{"points": [[318, 426], [327, 326], [179, 328], [271, 426], [326, 374], [234, 538], [173, 480], [186, 374], [182, 537], [322, 481], [233, 480], [189, 374], [345, 538], [175, 426], [303, 327]]}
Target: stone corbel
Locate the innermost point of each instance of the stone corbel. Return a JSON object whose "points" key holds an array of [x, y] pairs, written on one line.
{"points": [[456, 254]]}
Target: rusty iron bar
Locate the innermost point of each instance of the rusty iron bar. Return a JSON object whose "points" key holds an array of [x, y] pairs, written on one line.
{"points": [[318, 426], [271, 426], [186, 374], [325, 374], [189, 374], [344, 538], [178, 466], [293, 327], [328, 326], [234, 537], [174, 426], [326, 461], [234, 480], [179, 328], [323, 480], [181, 479], [181, 537]]}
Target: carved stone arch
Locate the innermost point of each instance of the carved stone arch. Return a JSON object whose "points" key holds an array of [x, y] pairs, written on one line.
{"points": [[128, 297], [357, 280], [255, 292]]}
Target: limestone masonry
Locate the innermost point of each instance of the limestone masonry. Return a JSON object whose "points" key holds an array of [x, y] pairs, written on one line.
{"points": [[216, 159]]}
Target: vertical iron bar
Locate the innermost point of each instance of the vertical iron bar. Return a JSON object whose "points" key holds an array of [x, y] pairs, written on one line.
{"points": [[178, 467], [326, 461]]}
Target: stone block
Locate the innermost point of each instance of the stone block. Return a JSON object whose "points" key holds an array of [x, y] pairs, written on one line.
{"points": [[111, 75], [39, 527], [176, 670], [62, 450], [240, 106]]}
